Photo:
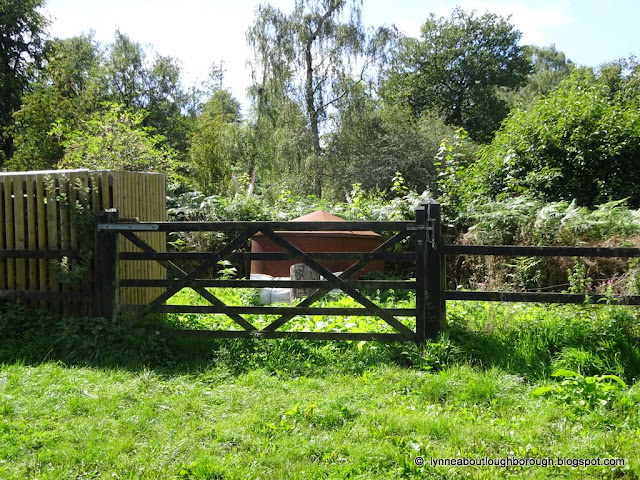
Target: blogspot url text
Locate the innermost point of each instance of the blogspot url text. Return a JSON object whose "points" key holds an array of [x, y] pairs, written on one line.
{"points": [[505, 462]]}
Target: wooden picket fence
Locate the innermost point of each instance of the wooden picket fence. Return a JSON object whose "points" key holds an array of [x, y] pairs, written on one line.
{"points": [[47, 231]]}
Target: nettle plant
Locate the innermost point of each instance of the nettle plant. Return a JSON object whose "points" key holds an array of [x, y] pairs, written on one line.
{"points": [[579, 393]]}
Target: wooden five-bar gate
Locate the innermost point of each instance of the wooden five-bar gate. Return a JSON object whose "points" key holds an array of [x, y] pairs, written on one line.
{"points": [[424, 230], [428, 255]]}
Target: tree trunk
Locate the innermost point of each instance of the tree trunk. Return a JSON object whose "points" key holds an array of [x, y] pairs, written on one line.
{"points": [[313, 113], [313, 110]]}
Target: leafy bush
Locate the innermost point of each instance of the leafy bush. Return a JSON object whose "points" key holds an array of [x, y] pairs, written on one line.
{"points": [[581, 142], [115, 138]]}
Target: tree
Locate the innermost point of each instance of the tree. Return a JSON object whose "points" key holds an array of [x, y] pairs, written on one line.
{"points": [[581, 141], [374, 142], [114, 137], [125, 75], [63, 93], [305, 57], [211, 152], [130, 79], [456, 69], [22, 29], [550, 67], [168, 103]]}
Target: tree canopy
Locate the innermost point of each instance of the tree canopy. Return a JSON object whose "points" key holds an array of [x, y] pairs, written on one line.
{"points": [[332, 104], [457, 67], [22, 32], [314, 56]]}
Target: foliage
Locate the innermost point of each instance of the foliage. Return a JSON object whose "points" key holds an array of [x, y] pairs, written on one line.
{"points": [[455, 154], [79, 77], [578, 392], [129, 78], [579, 142], [114, 138], [75, 201], [579, 282], [550, 67], [64, 93], [456, 69], [528, 221], [22, 32], [373, 141], [314, 57], [397, 204], [211, 149]]}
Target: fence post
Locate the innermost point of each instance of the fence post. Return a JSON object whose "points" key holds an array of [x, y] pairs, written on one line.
{"points": [[436, 275], [105, 297], [420, 272]]}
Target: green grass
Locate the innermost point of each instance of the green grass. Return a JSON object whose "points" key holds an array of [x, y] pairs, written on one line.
{"points": [[81, 398], [316, 323]]}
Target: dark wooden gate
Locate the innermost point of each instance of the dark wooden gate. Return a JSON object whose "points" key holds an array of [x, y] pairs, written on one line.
{"points": [[427, 282], [427, 254]]}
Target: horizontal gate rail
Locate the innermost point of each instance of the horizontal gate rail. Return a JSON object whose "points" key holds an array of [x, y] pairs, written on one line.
{"points": [[255, 310], [388, 256], [242, 226], [541, 251], [47, 254], [363, 284], [538, 297]]}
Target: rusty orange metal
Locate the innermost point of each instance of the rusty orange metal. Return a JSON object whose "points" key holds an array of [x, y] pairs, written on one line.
{"points": [[317, 241]]}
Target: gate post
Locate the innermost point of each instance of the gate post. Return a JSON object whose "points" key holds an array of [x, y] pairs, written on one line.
{"points": [[436, 275], [105, 294], [420, 273]]}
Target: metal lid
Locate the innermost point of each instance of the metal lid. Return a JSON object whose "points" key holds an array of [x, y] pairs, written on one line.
{"points": [[322, 216]]}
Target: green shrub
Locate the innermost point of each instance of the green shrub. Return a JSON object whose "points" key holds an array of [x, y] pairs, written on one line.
{"points": [[582, 141]]}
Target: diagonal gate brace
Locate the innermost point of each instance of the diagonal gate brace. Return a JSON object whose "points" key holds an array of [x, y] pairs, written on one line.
{"points": [[180, 275], [346, 275], [341, 284]]}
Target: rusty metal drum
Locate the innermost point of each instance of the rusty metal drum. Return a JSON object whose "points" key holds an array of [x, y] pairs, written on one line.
{"points": [[317, 241]]}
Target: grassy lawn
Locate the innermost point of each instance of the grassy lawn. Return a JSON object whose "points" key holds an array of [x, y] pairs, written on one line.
{"points": [[82, 399]]}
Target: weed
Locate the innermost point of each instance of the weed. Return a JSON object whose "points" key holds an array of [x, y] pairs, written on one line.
{"points": [[581, 393]]}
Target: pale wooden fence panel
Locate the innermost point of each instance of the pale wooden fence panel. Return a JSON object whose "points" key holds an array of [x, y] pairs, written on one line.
{"points": [[50, 211], [9, 235], [3, 230], [140, 196]]}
